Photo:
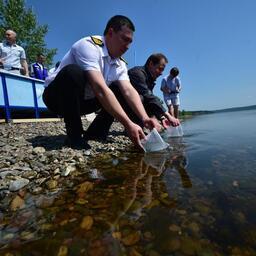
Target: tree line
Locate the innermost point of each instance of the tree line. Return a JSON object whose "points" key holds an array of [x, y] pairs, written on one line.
{"points": [[16, 16]]}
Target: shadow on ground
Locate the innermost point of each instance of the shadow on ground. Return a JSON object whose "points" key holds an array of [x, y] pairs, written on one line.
{"points": [[57, 141], [48, 142]]}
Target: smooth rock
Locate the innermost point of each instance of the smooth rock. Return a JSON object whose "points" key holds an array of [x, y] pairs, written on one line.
{"points": [[18, 184]]}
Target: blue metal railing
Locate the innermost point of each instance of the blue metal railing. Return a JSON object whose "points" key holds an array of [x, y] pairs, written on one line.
{"points": [[18, 91]]}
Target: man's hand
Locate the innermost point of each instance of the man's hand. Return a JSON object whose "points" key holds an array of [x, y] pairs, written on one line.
{"points": [[177, 89], [151, 123], [23, 72], [136, 134], [169, 120], [166, 89]]}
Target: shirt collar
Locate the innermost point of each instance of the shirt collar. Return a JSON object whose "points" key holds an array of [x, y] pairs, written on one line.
{"points": [[39, 64], [149, 75], [151, 81], [170, 77], [7, 43], [106, 55]]}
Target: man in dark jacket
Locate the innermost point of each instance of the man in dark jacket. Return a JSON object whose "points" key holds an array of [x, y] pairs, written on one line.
{"points": [[143, 80]]}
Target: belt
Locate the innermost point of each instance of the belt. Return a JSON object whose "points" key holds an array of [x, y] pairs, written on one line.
{"points": [[11, 68]]}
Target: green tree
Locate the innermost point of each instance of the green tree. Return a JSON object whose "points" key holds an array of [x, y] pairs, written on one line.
{"points": [[30, 35]]}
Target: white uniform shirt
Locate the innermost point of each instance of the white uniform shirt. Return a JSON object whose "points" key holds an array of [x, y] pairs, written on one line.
{"points": [[90, 56], [12, 55]]}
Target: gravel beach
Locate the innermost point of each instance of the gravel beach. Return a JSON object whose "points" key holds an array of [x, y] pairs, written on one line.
{"points": [[33, 155]]}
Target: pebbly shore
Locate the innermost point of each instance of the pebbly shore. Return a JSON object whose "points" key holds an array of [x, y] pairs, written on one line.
{"points": [[33, 155]]}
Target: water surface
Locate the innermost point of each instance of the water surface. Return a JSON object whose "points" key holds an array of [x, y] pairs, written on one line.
{"points": [[197, 199]]}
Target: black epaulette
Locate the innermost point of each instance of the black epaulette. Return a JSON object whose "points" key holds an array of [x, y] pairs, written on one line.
{"points": [[97, 41], [121, 58]]}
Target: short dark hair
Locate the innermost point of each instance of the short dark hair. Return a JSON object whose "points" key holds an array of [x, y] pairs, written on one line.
{"points": [[156, 58], [174, 71], [117, 21], [40, 54], [57, 64]]}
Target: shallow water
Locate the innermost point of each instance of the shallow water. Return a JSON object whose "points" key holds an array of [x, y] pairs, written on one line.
{"points": [[196, 199]]}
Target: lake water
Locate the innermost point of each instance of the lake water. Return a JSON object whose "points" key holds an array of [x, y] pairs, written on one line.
{"points": [[197, 199]]}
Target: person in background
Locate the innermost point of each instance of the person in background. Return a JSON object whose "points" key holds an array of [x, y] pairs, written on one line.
{"points": [[38, 70], [80, 85], [52, 70], [143, 80], [12, 56], [171, 87]]}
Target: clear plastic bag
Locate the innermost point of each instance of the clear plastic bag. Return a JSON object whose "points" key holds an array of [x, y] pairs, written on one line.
{"points": [[156, 160], [154, 142], [172, 131]]}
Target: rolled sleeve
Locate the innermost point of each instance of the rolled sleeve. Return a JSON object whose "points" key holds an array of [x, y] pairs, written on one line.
{"points": [[123, 74], [163, 83], [23, 54]]}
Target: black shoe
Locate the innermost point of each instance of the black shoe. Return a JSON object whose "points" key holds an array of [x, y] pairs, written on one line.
{"points": [[77, 143]]}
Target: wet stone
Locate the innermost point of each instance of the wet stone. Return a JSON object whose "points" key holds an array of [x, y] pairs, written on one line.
{"points": [[29, 174], [174, 228], [36, 190], [18, 184], [51, 184], [17, 203]]}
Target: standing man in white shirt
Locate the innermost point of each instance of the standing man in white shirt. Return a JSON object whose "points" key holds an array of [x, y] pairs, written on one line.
{"points": [[12, 56], [80, 85], [171, 87]]}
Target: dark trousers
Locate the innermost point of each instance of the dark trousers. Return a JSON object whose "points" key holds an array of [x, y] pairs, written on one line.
{"points": [[101, 124], [65, 97]]}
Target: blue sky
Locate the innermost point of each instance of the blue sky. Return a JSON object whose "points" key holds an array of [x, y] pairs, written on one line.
{"points": [[213, 42]]}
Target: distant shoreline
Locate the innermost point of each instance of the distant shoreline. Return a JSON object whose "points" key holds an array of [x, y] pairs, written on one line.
{"points": [[202, 112]]}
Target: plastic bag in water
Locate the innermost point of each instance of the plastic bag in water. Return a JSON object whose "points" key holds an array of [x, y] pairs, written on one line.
{"points": [[172, 131], [156, 160], [154, 142]]}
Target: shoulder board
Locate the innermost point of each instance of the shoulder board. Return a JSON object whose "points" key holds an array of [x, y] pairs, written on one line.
{"points": [[121, 58], [97, 41]]}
